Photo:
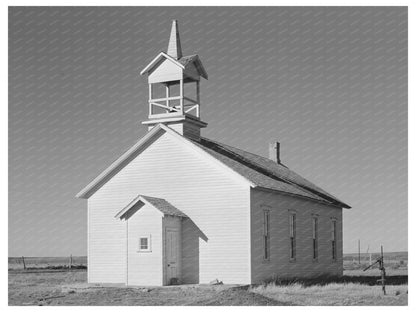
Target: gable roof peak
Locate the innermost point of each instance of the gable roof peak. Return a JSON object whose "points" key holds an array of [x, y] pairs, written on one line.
{"points": [[174, 47], [160, 204]]}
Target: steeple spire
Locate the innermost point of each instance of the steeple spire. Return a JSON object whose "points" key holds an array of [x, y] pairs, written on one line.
{"points": [[174, 48]]}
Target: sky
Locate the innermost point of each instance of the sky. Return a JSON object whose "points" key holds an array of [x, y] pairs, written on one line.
{"points": [[330, 84]]}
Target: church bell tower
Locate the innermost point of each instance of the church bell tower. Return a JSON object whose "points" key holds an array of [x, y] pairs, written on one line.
{"points": [[174, 89]]}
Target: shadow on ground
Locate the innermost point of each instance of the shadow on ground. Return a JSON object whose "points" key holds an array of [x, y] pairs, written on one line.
{"points": [[239, 296]]}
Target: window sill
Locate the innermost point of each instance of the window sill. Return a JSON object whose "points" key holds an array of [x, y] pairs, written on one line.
{"points": [[143, 251]]}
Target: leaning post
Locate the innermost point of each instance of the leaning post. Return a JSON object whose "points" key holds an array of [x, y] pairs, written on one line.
{"points": [[383, 272]]}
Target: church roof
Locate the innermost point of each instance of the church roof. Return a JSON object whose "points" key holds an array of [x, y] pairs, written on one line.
{"points": [[266, 173], [194, 59], [258, 171], [159, 203], [184, 62]]}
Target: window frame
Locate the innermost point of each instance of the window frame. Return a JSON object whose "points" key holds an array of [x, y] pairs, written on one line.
{"points": [[334, 248], [292, 236], [266, 235], [315, 227], [149, 243]]}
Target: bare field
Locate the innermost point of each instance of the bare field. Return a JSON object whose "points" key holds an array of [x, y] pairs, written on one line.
{"points": [[48, 287], [45, 288]]}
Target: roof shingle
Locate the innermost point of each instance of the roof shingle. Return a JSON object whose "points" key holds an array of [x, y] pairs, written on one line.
{"points": [[266, 173], [159, 203], [164, 206]]}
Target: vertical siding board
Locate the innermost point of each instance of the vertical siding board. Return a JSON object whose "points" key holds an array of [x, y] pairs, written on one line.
{"points": [[147, 222], [218, 207], [304, 264]]}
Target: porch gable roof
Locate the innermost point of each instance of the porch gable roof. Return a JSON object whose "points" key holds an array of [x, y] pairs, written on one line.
{"points": [[160, 204]]}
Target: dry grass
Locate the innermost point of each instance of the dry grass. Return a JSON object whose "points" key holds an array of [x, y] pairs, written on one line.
{"points": [[44, 287], [334, 294]]}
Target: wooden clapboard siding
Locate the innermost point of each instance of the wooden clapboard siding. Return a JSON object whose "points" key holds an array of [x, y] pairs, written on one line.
{"points": [[145, 222], [166, 71], [216, 202], [279, 263], [106, 240]]}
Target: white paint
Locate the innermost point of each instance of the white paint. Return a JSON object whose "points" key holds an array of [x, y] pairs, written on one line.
{"points": [[222, 239], [168, 70], [215, 240], [161, 56], [146, 222]]}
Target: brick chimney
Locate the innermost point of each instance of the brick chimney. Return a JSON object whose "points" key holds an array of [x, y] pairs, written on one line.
{"points": [[274, 151]]}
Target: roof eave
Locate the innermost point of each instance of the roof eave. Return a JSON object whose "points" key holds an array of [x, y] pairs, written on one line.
{"points": [[201, 68], [339, 205], [144, 201], [98, 181], [189, 143], [156, 59], [108, 173]]}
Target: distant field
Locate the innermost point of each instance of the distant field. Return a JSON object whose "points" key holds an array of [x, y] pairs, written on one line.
{"points": [[393, 262], [16, 263]]}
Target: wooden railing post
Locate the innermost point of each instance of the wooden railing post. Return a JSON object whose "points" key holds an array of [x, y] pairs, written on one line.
{"points": [[181, 95], [198, 98]]}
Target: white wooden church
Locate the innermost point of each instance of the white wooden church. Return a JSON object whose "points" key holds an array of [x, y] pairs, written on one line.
{"points": [[179, 208]]}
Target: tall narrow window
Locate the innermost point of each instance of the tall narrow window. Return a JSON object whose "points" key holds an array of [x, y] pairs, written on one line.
{"points": [[292, 235], [315, 237], [266, 234], [334, 239]]}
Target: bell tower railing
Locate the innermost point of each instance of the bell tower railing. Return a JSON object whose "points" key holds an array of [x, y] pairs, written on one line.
{"points": [[187, 105]]}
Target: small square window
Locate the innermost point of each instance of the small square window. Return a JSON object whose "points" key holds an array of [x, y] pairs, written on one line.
{"points": [[144, 243]]}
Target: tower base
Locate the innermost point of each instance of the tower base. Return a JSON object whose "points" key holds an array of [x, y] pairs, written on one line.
{"points": [[186, 125]]}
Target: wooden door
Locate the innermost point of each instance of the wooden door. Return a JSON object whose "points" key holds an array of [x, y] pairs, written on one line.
{"points": [[172, 253]]}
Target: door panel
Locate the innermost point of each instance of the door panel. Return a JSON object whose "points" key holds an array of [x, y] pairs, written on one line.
{"points": [[172, 248]]}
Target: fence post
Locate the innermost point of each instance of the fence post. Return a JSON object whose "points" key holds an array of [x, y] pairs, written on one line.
{"points": [[24, 264]]}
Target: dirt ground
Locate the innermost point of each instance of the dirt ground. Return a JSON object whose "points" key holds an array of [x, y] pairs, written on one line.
{"points": [[45, 288], [54, 287]]}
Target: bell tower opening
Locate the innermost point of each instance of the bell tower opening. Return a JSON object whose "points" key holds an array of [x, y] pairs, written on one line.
{"points": [[174, 97], [174, 89]]}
